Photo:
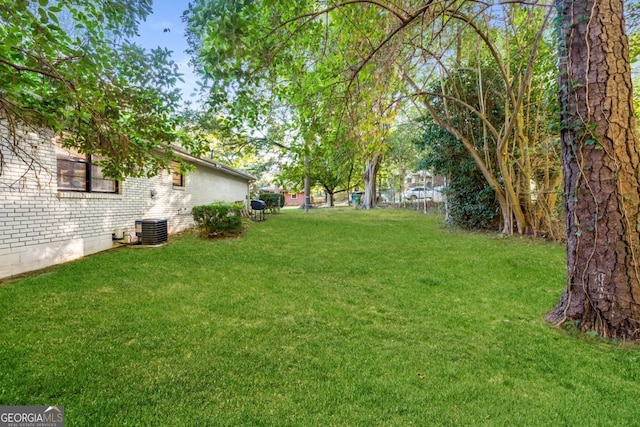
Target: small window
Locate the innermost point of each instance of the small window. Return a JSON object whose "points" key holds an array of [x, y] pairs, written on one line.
{"points": [[77, 172], [177, 175], [294, 196], [101, 183]]}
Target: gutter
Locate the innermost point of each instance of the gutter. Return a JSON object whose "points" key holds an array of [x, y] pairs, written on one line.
{"points": [[184, 154]]}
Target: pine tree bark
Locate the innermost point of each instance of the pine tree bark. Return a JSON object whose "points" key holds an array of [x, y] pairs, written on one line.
{"points": [[601, 163]]}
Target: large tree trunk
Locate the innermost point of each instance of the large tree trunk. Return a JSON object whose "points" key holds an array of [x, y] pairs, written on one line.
{"points": [[601, 180]]}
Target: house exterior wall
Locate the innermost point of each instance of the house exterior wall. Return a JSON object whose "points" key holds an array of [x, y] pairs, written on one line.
{"points": [[293, 199], [41, 226]]}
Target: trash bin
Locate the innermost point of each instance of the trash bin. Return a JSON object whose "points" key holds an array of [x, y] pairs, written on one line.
{"points": [[356, 198]]}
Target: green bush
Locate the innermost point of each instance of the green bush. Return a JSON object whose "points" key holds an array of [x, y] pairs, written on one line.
{"points": [[218, 218], [273, 201], [472, 202]]}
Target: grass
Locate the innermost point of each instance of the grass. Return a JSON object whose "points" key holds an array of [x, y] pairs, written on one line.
{"points": [[331, 318]]}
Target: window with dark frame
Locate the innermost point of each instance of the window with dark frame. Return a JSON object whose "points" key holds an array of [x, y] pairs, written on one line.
{"points": [[177, 175], [77, 172]]}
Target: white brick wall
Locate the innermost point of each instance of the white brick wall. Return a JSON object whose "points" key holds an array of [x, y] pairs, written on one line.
{"points": [[41, 226]]}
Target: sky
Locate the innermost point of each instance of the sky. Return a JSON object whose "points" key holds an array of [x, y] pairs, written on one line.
{"points": [[167, 14]]}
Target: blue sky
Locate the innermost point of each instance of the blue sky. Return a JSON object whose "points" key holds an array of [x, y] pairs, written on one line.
{"points": [[167, 14]]}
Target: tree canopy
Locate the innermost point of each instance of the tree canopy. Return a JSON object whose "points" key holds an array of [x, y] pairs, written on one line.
{"points": [[353, 62], [475, 68], [282, 64], [71, 66]]}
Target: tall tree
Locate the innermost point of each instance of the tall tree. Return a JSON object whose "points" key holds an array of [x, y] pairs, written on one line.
{"points": [[371, 88], [260, 57], [600, 153], [481, 91], [601, 160], [333, 163]]}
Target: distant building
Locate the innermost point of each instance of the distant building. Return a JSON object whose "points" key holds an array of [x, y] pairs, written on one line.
{"points": [[290, 198]]}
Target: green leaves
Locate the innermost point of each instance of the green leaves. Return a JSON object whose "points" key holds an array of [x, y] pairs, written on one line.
{"points": [[218, 219], [68, 65], [289, 66]]}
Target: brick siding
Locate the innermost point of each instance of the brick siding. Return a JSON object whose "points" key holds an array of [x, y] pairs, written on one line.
{"points": [[41, 226]]}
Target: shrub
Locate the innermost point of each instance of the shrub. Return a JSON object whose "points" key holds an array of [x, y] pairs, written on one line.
{"points": [[218, 218], [273, 201], [472, 202]]}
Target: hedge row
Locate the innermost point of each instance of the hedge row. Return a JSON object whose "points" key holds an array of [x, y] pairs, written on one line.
{"points": [[273, 201]]}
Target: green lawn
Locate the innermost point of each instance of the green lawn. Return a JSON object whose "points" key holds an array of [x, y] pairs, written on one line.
{"points": [[331, 318]]}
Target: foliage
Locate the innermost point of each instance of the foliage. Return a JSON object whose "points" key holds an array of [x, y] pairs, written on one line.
{"points": [[472, 202], [496, 99], [496, 96], [218, 218], [404, 143], [492, 62], [273, 201], [265, 67], [219, 136], [70, 66], [332, 166], [236, 56]]}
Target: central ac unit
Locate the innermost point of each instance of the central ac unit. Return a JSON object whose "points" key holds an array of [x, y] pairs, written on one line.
{"points": [[152, 231]]}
